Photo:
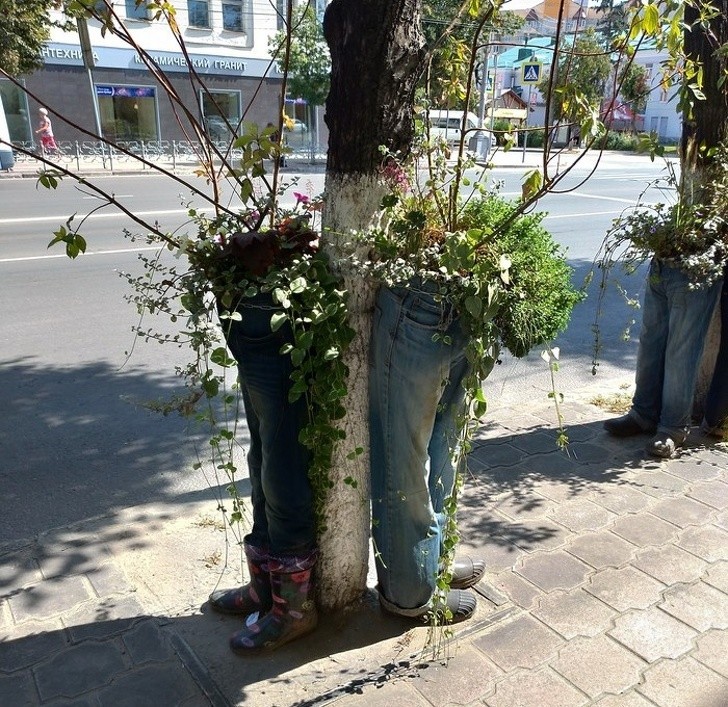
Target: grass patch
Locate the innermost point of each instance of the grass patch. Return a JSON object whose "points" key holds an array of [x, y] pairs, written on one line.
{"points": [[616, 403]]}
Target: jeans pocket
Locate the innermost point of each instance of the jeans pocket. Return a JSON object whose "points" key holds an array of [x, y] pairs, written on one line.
{"points": [[424, 312]]}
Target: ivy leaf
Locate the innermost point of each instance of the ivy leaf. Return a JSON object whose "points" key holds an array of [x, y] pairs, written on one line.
{"points": [[474, 305], [277, 321], [298, 285], [220, 357]]}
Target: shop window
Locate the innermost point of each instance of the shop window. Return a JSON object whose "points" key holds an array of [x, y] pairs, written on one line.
{"points": [[198, 13], [232, 15], [220, 108], [136, 11], [128, 112]]}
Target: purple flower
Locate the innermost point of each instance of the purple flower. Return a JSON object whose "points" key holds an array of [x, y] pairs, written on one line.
{"points": [[301, 198]]}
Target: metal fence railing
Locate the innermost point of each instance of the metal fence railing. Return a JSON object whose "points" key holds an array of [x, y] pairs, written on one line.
{"points": [[175, 153]]}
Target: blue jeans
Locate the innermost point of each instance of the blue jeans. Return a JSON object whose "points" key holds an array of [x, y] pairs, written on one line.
{"points": [[282, 499], [675, 320], [716, 404], [416, 394]]}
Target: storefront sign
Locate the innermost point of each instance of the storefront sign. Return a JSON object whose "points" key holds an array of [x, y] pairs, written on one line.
{"points": [[124, 91], [122, 58]]}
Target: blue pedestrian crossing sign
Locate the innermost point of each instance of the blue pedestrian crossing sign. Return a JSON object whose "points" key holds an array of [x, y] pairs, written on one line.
{"points": [[531, 72]]}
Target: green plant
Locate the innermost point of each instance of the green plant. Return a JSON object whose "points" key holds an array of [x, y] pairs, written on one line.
{"points": [[232, 256], [690, 233], [538, 298], [613, 140], [536, 137], [501, 127]]}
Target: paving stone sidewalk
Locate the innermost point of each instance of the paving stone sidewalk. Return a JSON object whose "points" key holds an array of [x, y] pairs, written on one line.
{"points": [[607, 585]]}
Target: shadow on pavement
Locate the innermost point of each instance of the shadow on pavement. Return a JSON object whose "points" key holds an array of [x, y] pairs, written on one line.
{"points": [[77, 443], [146, 660]]}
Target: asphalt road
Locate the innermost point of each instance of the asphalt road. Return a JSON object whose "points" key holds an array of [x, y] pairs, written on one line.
{"points": [[75, 441]]}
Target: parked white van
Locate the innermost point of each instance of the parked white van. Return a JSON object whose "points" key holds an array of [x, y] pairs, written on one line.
{"points": [[448, 124]]}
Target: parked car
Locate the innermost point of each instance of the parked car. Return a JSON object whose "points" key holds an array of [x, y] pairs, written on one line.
{"points": [[448, 124]]}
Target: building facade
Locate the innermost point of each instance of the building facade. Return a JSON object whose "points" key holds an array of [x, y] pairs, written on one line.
{"points": [[223, 73]]}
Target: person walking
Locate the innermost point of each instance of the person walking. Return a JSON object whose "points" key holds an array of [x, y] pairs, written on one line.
{"points": [[45, 130], [675, 319]]}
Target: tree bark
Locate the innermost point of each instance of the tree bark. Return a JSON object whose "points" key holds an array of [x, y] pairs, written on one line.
{"points": [[708, 128], [377, 51]]}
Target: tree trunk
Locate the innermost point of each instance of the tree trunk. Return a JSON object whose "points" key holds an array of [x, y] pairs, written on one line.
{"points": [[708, 128], [377, 51]]}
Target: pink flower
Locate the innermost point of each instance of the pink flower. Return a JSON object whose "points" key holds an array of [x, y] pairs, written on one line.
{"points": [[301, 198]]}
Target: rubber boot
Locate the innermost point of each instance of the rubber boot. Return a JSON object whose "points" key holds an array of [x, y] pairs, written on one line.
{"points": [[252, 597], [294, 610]]}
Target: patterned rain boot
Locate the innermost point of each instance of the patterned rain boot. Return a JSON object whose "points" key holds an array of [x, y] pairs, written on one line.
{"points": [[294, 609], [254, 596]]}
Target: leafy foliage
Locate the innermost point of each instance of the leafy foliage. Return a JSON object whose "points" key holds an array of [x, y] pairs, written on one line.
{"points": [[450, 27], [636, 87], [26, 26], [691, 233], [536, 302], [309, 63], [581, 78]]}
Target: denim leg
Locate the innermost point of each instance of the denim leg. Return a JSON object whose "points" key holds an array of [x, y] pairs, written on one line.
{"points": [[444, 438], [409, 379], [647, 400], [282, 495], [716, 404], [258, 535], [690, 312]]}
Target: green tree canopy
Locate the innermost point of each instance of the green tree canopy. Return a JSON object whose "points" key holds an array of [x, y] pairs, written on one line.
{"points": [[26, 26], [581, 78], [449, 68], [635, 87], [309, 66]]}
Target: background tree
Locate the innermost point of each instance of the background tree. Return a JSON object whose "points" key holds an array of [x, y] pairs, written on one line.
{"points": [[613, 20], [581, 78], [309, 63], [635, 89], [26, 26], [450, 31]]}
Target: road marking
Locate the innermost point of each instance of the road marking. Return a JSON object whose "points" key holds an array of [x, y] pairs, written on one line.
{"points": [[603, 198], [116, 214], [63, 255], [588, 213]]}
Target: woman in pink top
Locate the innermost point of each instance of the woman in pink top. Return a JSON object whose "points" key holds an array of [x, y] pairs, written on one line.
{"points": [[45, 129]]}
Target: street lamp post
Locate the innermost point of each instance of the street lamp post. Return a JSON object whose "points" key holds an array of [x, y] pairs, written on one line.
{"points": [[88, 61]]}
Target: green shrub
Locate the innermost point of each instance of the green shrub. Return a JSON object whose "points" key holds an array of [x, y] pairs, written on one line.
{"points": [[535, 137], [626, 142], [500, 128], [540, 296]]}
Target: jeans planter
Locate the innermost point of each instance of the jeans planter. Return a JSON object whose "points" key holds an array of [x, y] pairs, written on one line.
{"points": [[675, 320], [416, 396], [282, 499]]}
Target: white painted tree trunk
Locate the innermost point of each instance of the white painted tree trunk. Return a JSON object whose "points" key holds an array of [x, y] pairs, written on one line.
{"points": [[352, 201]]}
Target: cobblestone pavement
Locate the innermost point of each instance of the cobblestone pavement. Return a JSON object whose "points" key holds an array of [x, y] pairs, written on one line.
{"points": [[607, 584]]}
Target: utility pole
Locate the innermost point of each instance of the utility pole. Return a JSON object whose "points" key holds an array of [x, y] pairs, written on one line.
{"points": [[88, 61]]}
